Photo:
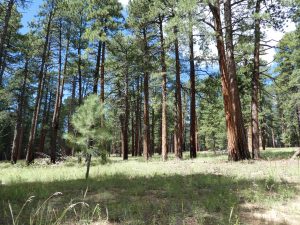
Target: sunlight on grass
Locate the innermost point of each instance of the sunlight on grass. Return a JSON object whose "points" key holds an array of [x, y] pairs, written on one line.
{"points": [[206, 190]]}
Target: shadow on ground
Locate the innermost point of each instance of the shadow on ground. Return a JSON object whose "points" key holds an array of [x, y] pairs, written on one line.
{"points": [[177, 199], [277, 155]]}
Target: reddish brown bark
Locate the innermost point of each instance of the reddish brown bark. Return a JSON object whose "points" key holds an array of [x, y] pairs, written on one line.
{"points": [[237, 143], [164, 131], [125, 120], [193, 119], [152, 132], [146, 134], [178, 125], [132, 133], [137, 119], [255, 85]]}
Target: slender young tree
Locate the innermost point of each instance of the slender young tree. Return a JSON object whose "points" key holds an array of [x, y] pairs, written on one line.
{"points": [[193, 119]]}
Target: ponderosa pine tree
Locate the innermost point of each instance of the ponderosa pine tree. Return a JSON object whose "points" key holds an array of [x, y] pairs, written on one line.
{"points": [[158, 15], [86, 122], [49, 11], [62, 73], [237, 142], [140, 23]]}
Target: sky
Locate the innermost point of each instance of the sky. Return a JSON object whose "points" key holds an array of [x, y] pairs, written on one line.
{"points": [[272, 35]]}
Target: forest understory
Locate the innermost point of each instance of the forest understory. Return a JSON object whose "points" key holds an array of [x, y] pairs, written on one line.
{"points": [[206, 190]]}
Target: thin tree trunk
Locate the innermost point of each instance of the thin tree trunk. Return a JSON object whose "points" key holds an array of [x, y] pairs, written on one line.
{"points": [[263, 135], [273, 138], [137, 120], [88, 165], [29, 155], [132, 132], [21, 140], [4, 59], [19, 124], [46, 115], [70, 151], [96, 74], [59, 95], [152, 133], [126, 119], [80, 93], [102, 73], [193, 119], [255, 85], [3, 36], [249, 136], [179, 127], [79, 78], [298, 119], [47, 106], [164, 125], [146, 134]]}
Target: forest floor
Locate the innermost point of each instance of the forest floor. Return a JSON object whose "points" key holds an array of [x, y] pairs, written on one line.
{"points": [[206, 190]]}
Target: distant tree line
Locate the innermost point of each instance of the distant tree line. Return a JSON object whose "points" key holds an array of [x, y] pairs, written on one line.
{"points": [[168, 76]]}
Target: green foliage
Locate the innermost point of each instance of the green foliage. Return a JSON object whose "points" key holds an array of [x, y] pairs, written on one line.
{"points": [[89, 136], [211, 124], [287, 87]]}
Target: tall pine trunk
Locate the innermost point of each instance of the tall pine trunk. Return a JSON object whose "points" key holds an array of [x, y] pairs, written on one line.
{"points": [[132, 132], [237, 143], [79, 48], [102, 73], [59, 95], [46, 114], [137, 119], [125, 120], [178, 125], [152, 133], [97, 69], [70, 151], [32, 133], [19, 124], [164, 125], [193, 119], [255, 85], [146, 135], [3, 37]]}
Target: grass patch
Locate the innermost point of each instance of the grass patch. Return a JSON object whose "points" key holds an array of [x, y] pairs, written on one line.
{"points": [[206, 190]]}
